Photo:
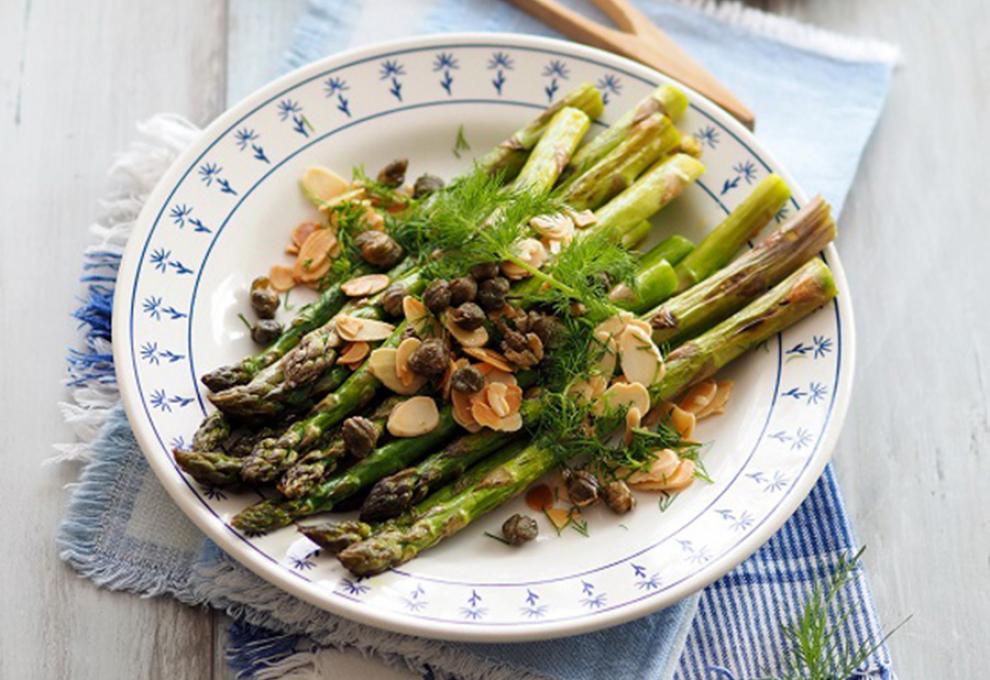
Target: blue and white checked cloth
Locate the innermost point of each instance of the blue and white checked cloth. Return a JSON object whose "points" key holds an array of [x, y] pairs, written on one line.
{"points": [[122, 531]]}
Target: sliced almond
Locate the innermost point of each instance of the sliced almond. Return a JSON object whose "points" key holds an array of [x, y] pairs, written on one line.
{"points": [[413, 417], [610, 354], [468, 339], [314, 255], [493, 374], [461, 403], [683, 422], [513, 397], [640, 324], [530, 251], [302, 232], [622, 293], [639, 357], [351, 196], [557, 226], [490, 357], [660, 470], [292, 249], [496, 396], [718, 402], [582, 218], [510, 423], [612, 326], [320, 184], [633, 418], [381, 363], [353, 329], [402, 354], [281, 278], [418, 316], [354, 352], [682, 477], [373, 219], [362, 286], [559, 517], [445, 382], [699, 396], [311, 277], [631, 395], [483, 413], [590, 389]]}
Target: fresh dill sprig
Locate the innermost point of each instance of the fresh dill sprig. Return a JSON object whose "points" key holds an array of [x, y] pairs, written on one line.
{"points": [[816, 648], [460, 142]]}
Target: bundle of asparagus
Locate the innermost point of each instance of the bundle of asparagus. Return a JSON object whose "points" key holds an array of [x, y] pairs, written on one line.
{"points": [[562, 230]]}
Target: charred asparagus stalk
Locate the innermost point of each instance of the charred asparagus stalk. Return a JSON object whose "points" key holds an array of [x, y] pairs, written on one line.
{"points": [[789, 302]]}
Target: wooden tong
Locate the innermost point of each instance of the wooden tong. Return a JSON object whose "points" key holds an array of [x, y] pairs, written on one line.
{"points": [[636, 37]]}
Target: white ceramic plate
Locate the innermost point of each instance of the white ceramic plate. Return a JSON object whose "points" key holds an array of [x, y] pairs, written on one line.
{"points": [[224, 210]]}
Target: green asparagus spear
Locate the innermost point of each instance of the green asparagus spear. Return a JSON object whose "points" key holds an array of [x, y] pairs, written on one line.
{"points": [[302, 477], [393, 495], [734, 286], [792, 300], [551, 153], [724, 241], [508, 157], [395, 455], [646, 141], [673, 249], [666, 99]]}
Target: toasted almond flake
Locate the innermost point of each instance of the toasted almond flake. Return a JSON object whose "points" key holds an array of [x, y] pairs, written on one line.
{"points": [[490, 357], [461, 403], [640, 324], [610, 354], [311, 277], [413, 417], [663, 466], [483, 413], [354, 329], [639, 357], [622, 293], [303, 231], [633, 418], [468, 339], [314, 255], [402, 354], [350, 196], [495, 395], [718, 402], [320, 184], [699, 396], [381, 363], [361, 286], [683, 421], [446, 379], [582, 218], [281, 279], [373, 220], [493, 374], [510, 423], [513, 397], [530, 251], [559, 517], [633, 395], [682, 477], [557, 226], [353, 353], [612, 326], [292, 249], [419, 316]]}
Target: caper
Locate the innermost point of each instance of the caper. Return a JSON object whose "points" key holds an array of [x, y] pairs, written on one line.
{"points": [[547, 328], [426, 185], [430, 359], [485, 270], [360, 436], [618, 497], [436, 297], [264, 299], [378, 248], [394, 174], [392, 299], [582, 487], [468, 316], [467, 379], [519, 529], [492, 292], [266, 331], [463, 290]]}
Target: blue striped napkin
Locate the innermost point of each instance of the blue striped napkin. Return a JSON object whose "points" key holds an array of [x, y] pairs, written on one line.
{"points": [[123, 532]]}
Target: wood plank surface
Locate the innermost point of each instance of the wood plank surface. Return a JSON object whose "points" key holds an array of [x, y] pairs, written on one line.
{"points": [[74, 78]]}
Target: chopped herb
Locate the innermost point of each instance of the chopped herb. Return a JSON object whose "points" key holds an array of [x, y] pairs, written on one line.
{"points": [[285, 302], [460, 143], [581, 526], [244, 321], [666, 500], [624, 527]]}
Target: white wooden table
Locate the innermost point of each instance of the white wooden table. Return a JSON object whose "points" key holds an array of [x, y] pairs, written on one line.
{"points": [[74, 77]]}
